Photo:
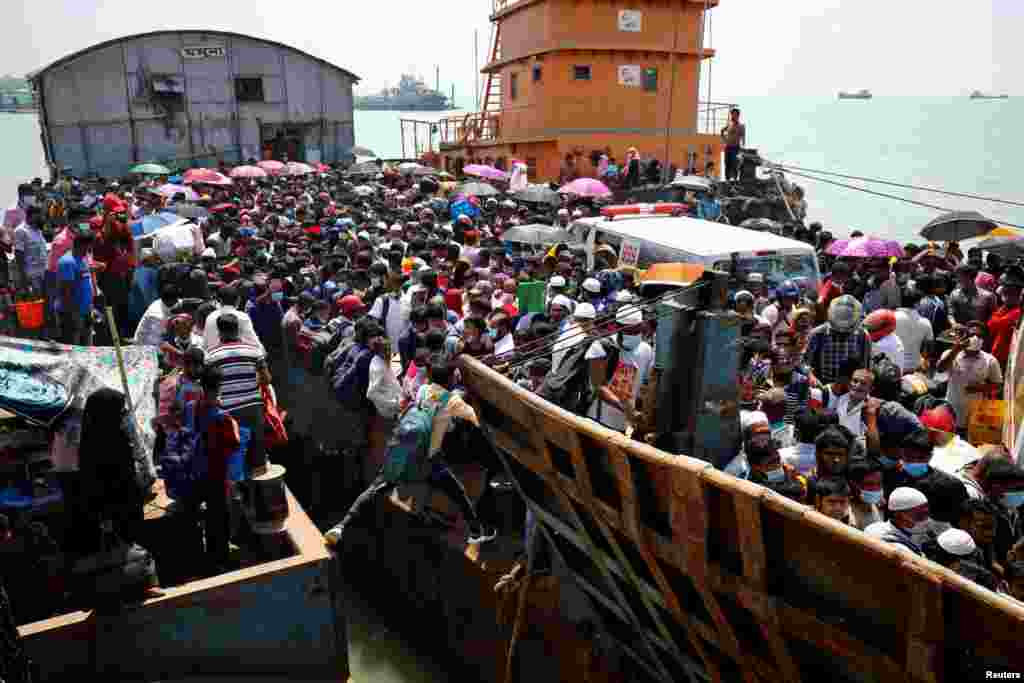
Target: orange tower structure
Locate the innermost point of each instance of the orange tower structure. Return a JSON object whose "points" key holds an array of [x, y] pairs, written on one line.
{"points": [[573, 78]]}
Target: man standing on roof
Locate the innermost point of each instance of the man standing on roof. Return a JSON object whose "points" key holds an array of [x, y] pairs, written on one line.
{"points": [[734, 135]]}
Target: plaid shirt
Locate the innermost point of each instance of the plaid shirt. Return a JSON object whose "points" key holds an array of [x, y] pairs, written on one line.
{"points": [[827, 350]]}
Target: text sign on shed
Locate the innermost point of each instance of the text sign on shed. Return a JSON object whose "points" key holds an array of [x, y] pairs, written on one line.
{"points": [[204, 52], [630, 20], [629, 253]]}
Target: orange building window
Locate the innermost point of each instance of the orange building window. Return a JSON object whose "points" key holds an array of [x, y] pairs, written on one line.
{"points": [[513, 86], [581, 72], [536, 73]]}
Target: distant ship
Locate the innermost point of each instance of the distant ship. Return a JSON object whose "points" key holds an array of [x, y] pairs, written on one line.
{"points": [[859, 95], [17, 102], [410, 95], [978, 95]]}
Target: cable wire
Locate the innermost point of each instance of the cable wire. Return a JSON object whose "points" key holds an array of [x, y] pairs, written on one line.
{"points": [[876, 181]]}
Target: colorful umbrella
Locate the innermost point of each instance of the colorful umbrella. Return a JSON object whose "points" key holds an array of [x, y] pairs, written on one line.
{"points": [[169, 190], [482, 171], [150, 169], [270, 166], [248, 172], [866, 247], [586, 187], [957, 225], [297, 168], [205, 176]]}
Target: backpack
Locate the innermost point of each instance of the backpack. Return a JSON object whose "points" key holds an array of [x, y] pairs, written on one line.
{"points": [[351, 380], [568, 386], [408, 448]]}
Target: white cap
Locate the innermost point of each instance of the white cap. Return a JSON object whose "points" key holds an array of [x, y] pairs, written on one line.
{"points": [[749, 418], [906, 498], [209, 253], [585, 311], [592, 285], [577, 214], [363, 235], [563, 212], [557, 281], [957, 542], [623, 296], [629, 315], [756, 277], [563, 301], [744, 294], [382, 226]]}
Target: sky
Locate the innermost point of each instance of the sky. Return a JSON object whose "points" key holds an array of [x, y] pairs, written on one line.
{"points": [[765, 47]]}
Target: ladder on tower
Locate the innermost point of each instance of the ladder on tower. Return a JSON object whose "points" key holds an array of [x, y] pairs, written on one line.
{"points": [[487, 120]]}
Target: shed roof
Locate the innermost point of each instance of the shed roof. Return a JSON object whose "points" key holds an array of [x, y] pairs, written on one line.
{"points": [[229, 34]]}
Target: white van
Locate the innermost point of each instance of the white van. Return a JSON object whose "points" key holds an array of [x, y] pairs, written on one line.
{"points": [[646, 238]]}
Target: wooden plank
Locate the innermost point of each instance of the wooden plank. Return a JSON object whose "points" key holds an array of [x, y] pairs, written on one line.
{"points": [[925, 631]]}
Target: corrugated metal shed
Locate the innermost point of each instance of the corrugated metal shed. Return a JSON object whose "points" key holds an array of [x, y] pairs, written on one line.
{"points": [[191, 98]]}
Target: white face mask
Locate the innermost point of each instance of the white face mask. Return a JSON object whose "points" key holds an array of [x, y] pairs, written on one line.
{"points": [[631, 341]]}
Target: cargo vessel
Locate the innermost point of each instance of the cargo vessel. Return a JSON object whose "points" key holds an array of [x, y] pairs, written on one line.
{"points": [[855, 95], [979, 95], [410, 95]]}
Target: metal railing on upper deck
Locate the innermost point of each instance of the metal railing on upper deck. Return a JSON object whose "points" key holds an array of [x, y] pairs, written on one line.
{"points": [[712, 117]]}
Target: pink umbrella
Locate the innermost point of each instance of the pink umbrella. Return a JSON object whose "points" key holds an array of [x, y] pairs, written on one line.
{"points": [[270, 166], [297, 168], [248, 172], [866, 247], [482, 171], [169, 190], [586, 187], [205, 176]]}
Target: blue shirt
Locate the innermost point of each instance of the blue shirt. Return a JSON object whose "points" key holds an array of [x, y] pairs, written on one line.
{"points": [[75, 269]]}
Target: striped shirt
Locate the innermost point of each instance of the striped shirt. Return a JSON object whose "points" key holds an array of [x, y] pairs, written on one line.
{"points": [[239, 363]]}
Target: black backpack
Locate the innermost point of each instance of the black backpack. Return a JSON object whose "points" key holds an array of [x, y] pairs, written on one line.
{"points": [[568, 386]]}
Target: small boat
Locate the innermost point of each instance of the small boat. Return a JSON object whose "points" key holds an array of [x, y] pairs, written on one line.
{"points": [[862, 94], [979, 95]]}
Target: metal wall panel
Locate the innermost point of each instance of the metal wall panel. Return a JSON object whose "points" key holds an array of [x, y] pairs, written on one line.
{"points": [[156, 54], [67, 147], [252, 58], [337, 95], [99, 78], [273, 89], [60, 95], [110, 148], [157, 142], [303, 88]]}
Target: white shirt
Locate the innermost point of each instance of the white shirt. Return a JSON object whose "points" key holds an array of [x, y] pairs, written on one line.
{"points": [[397, 320], [246, 333], [913, 329], [505, 344], [893, 349], [965, 371], [850, 416], [383, 389], [633, 365]]}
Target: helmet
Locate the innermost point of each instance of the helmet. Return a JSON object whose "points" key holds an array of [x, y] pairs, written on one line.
{"points": [[845, 314], [788, 290]]}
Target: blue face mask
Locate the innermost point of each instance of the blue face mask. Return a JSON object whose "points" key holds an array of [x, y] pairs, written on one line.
{"points": [[915, 469], [277, 296], [1013, 499], [871, 497]]}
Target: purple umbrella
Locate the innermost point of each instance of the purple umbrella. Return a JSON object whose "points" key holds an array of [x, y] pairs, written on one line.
{"points": [[488, 172], [170, 190], [866, 247], [586, 187]]}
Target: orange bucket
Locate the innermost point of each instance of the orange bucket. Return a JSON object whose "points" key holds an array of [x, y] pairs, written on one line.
{"points": [[30, 314]]}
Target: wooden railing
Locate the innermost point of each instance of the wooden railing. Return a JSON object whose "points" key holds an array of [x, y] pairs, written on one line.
{"points": [[698, 575]]}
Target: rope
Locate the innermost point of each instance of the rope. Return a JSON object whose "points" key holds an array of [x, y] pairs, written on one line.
{"points": [[876, 181], [926, 205]]}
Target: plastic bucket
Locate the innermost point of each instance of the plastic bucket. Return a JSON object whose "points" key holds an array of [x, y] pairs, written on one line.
{"points": [[30, 314]]}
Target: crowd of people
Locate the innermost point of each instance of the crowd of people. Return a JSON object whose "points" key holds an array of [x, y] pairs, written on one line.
{"points": [[857, 395]]}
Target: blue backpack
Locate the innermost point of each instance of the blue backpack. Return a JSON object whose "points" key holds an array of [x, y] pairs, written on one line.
{"points": [[352, 378], [408, 448]]}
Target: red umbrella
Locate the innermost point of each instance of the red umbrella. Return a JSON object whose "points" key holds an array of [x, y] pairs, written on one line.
{"points": [[322, 168], [222, 207], [205, 176], [270, 166]]}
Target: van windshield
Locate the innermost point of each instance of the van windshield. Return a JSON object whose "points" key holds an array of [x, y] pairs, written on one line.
{"points": [[776, 268]]}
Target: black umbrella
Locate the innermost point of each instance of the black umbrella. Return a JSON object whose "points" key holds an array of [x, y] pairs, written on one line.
{"points": [[1008, 246], [538, 194], [957, 225]]}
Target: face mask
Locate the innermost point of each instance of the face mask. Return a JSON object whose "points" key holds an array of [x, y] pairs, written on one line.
{"points": [[1013, 499], [277, 296], [631, 341], [871, 497], [775, 476], [915, 469]]}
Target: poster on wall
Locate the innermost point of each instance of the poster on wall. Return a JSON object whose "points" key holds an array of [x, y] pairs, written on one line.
{"points": [[630, 20], [630, 75]]}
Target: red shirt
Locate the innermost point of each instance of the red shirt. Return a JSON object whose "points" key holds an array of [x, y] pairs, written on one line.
{"points": [[828, 291], [114, 248], [1000, 330]]}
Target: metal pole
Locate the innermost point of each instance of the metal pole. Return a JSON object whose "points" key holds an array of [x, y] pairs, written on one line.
{"points": [[671, 96], [476, 67]]}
